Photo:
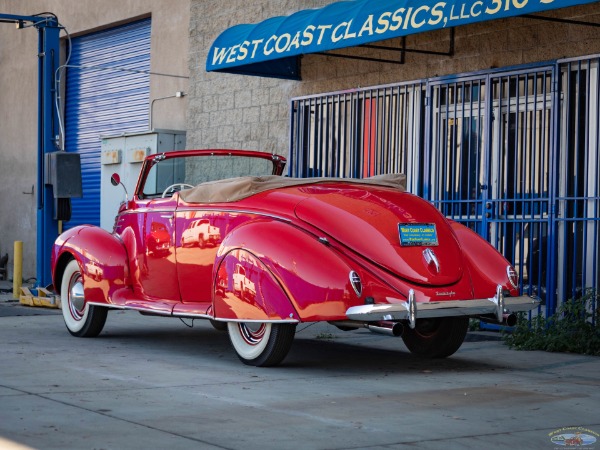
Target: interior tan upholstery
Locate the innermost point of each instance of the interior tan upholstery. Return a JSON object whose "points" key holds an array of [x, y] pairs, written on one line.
{"points": [[234, 189]]}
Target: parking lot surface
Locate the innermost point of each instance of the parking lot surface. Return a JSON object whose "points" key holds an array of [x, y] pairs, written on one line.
{"points": [[156, 383]]}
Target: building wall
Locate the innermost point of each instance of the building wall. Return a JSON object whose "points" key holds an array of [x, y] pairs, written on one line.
{"points": [[18, 98], [253, 113]]}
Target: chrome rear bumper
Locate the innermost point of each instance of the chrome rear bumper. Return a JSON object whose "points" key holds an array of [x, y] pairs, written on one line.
{"points": [[499, 305]]}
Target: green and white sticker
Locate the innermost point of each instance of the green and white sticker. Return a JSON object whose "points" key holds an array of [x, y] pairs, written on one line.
{"points": [[417, 234]]}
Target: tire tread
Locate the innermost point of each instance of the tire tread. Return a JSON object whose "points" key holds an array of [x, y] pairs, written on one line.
{"points": [[445, 342], [280, 342]]}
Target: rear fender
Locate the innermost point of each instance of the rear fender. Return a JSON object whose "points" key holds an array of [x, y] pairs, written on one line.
{"points": [[102, 258], [247, 290], [310, 274], [486, 265]]}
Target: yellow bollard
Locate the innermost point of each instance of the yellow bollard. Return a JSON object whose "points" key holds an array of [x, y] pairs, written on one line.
{"points": [[18, 269]]}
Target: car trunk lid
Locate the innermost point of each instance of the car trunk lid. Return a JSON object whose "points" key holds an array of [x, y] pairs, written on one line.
{"points": [[398, 231]]}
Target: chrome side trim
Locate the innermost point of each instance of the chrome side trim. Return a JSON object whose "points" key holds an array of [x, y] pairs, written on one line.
{"points": [[207, 316], [106, 305], [193, 316], [132, 308], [207, 210], [188, 315], [258, 321], [234, 211], [129, 212], [411, 310]]}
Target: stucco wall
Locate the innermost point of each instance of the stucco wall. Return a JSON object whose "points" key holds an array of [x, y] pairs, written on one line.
{"points": [[253, 113], [18, 94]]}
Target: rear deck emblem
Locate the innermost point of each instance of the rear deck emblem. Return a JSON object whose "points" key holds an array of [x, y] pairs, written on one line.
{"points": [[431, 259]]}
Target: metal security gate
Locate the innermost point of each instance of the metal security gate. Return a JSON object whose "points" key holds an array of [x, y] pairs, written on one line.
{"points": [[576, 228], [359, 134], [102, 101], [514, 155], [491, 149], [456, 155]]}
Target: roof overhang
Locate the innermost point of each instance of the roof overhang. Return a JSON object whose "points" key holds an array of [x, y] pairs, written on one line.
{"points": [[272, 48]]}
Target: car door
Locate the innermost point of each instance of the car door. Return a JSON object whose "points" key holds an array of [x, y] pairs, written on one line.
{"points": [[198, 236], [146, 229], [158, 274]]}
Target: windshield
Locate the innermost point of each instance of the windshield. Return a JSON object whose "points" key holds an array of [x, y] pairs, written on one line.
{"points": [[190, 171]]}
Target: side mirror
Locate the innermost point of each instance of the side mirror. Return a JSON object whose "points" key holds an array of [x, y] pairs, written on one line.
{"points": [[115, 180]]}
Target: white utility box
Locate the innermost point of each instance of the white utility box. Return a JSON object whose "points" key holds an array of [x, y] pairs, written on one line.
{"points": [[123, 154]]}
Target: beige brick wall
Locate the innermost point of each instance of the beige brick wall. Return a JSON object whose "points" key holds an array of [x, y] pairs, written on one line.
{"points": [[233, 111]]}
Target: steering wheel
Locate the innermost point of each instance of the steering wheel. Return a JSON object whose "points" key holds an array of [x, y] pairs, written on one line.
{"points": [[175, 188]]}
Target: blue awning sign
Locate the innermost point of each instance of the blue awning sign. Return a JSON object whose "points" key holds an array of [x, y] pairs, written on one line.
{"points": [[247, 47]]}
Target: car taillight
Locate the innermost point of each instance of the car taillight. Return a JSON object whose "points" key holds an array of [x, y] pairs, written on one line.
{"points": [[513, 276], [356, 283]]}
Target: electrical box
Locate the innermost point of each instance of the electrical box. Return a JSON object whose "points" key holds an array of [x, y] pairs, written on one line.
{"points": [[63, 173], [124, 154]]}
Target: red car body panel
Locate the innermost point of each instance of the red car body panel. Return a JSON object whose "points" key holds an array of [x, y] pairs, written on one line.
{"points": [[296, 246], [268, 302], [296, 260], [370, 219], [93, 247], [482, 260]]}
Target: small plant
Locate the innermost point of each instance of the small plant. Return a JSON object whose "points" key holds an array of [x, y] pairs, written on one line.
{"points": [[325, 336], [574, 328], [474, 324]]}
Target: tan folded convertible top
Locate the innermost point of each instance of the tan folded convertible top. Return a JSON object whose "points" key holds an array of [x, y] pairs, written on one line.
{"points": [[234, 189]]}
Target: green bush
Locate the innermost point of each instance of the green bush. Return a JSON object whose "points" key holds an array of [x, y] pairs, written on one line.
{"points": [[574, 328]]}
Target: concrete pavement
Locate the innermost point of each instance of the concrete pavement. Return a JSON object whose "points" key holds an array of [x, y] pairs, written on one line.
{"points": [[155, 383]]}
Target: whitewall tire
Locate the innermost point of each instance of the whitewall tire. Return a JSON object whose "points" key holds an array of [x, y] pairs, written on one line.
{"points": [[261, 344], [81, 318]]}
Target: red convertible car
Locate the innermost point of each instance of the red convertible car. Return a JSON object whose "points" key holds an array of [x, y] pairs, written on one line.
{"points": [[354, 253]]}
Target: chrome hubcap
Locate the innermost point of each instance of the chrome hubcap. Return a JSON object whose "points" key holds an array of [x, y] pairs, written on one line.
{"points": [[252, 333], [76, 298]]}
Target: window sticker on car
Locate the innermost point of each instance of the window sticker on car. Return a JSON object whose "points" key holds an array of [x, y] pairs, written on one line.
{"points": [[417, 234]]}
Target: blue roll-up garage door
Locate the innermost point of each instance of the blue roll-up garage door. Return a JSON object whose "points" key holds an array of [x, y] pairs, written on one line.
{"points": [[104, 101]]}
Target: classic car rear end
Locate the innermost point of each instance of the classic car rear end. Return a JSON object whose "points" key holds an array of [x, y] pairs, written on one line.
{"points": [[355, 253]]}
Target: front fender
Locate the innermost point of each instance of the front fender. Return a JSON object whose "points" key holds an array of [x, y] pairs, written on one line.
{"points": [[102, 259], [310, 274]]}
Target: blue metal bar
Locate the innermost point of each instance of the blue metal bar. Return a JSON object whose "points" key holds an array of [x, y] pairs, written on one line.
{"points": [[554, 213], [34, 20], [48, 62], [428, 144], [47, 227], [595, 270]]}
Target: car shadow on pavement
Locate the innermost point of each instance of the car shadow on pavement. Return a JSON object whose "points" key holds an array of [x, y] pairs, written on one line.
{"points": [[355, 352], [390, 356]]}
